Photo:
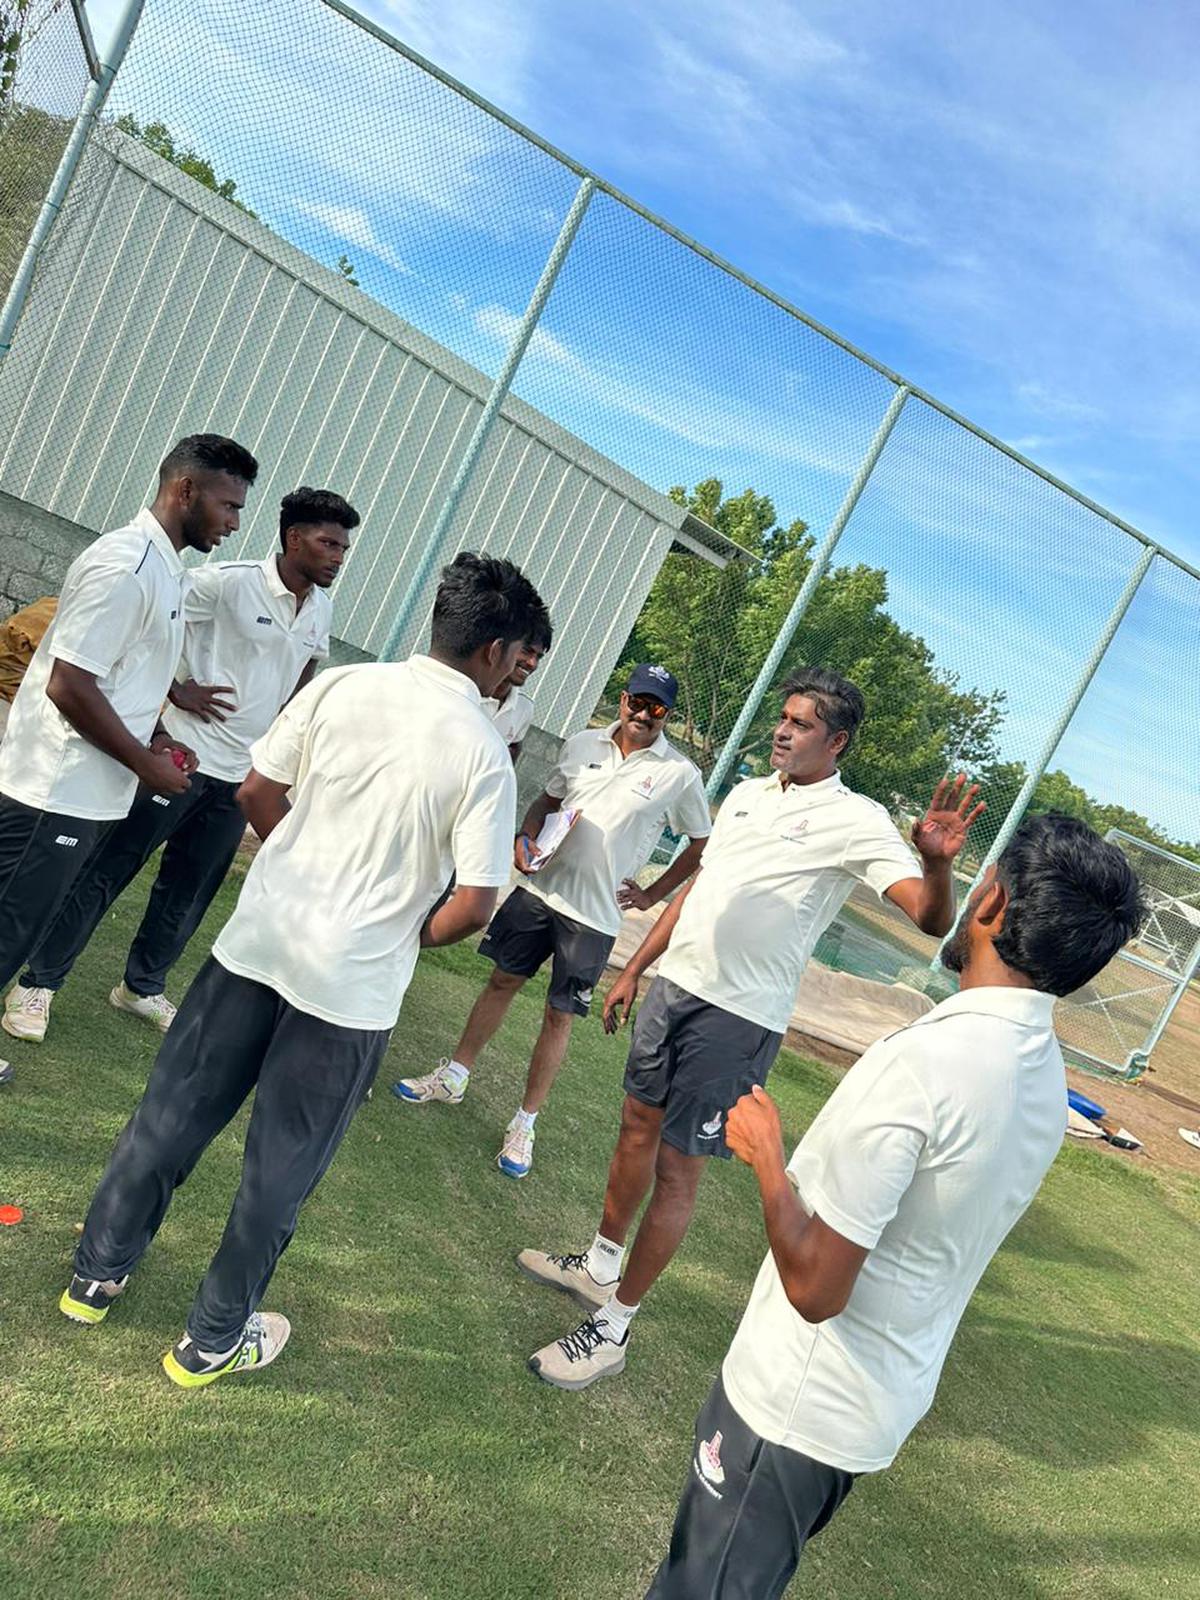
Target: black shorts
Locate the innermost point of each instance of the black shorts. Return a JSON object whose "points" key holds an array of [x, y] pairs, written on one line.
{"points": [[694, 1060], [526, 930], [747, 1511]]}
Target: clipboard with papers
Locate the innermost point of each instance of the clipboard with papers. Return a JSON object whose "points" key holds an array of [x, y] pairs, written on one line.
{"points": [[554, 830]]}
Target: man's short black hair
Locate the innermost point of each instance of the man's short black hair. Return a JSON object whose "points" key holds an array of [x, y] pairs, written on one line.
{"points": [[481, 598], [840, 704], [1073, 901], [542, 635], [311, 506], [208, 452]]}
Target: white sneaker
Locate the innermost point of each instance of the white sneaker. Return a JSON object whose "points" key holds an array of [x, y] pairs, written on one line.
{"points": [[516, 1153], [26, 1012], [580, 1358], [439, 1085], [570, 1274], [1190, 1136], [154, 1008]]}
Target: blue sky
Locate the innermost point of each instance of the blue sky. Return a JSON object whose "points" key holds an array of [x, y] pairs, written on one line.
{"points": [[1002, 202]]}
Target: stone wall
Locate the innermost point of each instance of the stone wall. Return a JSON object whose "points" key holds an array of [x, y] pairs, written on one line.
{"points": [[36, 548]]}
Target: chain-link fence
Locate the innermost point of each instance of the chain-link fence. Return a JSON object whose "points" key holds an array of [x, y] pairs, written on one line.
{"points": [[44, 69], [292, 229]]}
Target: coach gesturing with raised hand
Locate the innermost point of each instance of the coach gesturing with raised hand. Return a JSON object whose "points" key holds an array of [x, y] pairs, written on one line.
{"points": [[784, 854]]}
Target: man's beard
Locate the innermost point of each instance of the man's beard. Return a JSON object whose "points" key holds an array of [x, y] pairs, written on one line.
{"points": [[954, 951], [956, 948]]}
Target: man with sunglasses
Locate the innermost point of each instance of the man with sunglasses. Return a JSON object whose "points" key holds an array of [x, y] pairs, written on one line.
{"points": [[626, 782]]}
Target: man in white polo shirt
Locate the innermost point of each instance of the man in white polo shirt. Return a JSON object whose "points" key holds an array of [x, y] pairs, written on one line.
{"points": [[254, 633], [626, 782], [84, 728], [887, 1215], [784, 854], [399, 776]]}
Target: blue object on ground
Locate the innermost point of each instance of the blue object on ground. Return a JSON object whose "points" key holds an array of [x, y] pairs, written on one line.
{"points": [[1084, 1106]]}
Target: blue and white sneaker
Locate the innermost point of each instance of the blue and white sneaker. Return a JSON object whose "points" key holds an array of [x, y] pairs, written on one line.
{"points": [[516, 1153], [445, 1084]]}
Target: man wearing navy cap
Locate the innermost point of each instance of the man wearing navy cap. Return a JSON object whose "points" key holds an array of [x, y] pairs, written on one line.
{"points": [[626, 782]]}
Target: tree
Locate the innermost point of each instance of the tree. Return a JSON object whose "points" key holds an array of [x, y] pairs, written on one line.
{"points": [[347, 269], [14, 26], [714, 627], [158, 137]]}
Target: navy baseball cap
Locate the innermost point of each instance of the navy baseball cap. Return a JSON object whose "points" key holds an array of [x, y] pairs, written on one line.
{"points": [[656, 681]]}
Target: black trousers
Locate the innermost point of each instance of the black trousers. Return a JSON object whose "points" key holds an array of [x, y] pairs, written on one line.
{"points": [[746, 1512], [202, 829], [41, 855], [310, 1077]]}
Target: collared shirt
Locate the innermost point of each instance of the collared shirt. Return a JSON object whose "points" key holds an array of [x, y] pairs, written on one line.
{"points": [[400, 779], [120, 616], [777, 870], [243, 629], [926, 1153], [513, 715], [625, 803]]}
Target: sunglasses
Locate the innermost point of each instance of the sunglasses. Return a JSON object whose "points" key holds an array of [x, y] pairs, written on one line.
{"points": [[647, 703]]}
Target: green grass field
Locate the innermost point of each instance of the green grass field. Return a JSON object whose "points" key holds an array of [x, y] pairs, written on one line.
{"points": [[401, 1449]]}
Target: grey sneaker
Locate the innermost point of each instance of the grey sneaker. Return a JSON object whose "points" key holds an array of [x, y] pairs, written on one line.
{"points": [[583, 1356], [155, 1008], [570, 1274]]}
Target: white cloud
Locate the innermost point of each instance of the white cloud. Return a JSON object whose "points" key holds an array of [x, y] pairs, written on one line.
{"points": [[355, 227]]}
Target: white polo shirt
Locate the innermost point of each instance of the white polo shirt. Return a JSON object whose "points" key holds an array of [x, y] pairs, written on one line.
{"points": [[243, 629], [926, 1153], [776, 872], [400, 779], [120, 616], [513, 716], [625, 803]]}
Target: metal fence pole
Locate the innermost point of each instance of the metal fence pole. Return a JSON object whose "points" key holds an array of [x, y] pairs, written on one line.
{"points": [[816, 572], [1138, 1059], [90, 107], [1017, 810], [525, 332]]}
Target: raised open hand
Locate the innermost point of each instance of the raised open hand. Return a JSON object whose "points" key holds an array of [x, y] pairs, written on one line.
{"points": [[942, 831]]}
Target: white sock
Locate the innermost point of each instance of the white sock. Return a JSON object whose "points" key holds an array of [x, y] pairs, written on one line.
{"points": [[524, 1119], [457, 1074], [614, 1318], [604, 1259]]}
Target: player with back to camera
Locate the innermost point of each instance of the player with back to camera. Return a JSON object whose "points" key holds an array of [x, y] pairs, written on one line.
{"points": [[399, 777], [887, 1215]]}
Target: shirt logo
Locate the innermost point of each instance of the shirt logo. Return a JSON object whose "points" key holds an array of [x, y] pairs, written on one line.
{"points": [[646, 787], [593, 766], [174, 614], [710, 1130], [707, 1465], [160, 800], [741, 813], [266, 621], [65, 838], [795, 833]]}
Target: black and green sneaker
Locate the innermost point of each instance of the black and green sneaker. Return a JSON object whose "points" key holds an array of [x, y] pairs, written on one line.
{"points": [[88, 1299], [263, 1337]]}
